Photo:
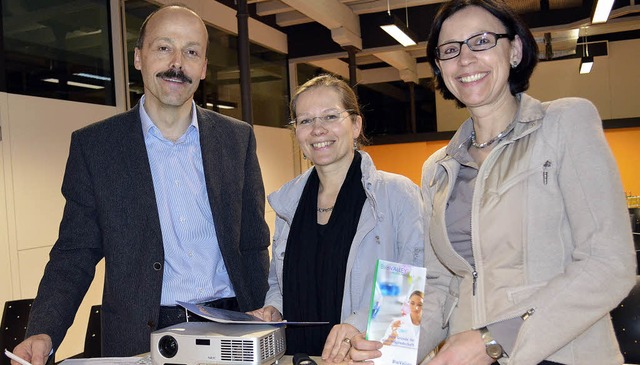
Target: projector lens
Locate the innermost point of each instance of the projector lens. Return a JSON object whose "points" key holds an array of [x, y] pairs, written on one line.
{"points": [[168, 346]]}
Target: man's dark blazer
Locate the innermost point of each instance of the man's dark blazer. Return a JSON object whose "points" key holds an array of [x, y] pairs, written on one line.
{"points": [[111, 212]]}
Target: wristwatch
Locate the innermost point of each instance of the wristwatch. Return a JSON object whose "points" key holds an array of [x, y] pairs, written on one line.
{"points": [[494, 350]]}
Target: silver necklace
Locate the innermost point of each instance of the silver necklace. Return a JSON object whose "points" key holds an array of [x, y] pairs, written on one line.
{"points": [[325, 210], [493, 140]]}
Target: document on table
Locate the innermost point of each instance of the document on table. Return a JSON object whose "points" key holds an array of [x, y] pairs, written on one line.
{"points": [[136, 360], [233, 317]]}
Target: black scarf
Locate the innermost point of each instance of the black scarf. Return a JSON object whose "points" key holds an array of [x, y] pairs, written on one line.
{"points": [[315, 261]]}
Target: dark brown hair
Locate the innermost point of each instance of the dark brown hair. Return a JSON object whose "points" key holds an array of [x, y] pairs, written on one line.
{"points": [[520, 75]]}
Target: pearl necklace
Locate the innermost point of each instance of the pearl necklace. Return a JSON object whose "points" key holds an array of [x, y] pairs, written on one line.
{"points": [[325, 210]]}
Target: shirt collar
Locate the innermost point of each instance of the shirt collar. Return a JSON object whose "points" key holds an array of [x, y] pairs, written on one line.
{"points": [[148, 124]]}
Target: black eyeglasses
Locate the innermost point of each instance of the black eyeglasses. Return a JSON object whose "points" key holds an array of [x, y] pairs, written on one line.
{"points": [[476, 43]]}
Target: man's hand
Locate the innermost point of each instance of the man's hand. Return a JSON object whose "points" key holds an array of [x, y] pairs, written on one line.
{"points": [[462, 349], [362, 350], [35, 349], [267, 314], [338, 343]]}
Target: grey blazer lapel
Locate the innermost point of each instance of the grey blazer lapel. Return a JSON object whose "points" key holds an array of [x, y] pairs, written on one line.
{"points": [[140, 181], [211, 142]]}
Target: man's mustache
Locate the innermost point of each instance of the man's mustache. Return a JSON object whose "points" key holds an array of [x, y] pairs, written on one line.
{"points": [[175, 74]]}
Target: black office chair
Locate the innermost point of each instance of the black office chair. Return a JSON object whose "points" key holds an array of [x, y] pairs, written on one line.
{"points": [[14, 325], [626, 322], [93, 339]]}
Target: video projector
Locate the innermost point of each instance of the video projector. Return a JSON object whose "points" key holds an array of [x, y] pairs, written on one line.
{"points": [[200, 343]]}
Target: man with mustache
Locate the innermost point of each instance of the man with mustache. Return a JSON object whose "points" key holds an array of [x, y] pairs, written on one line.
{"points": [[168, 193]]}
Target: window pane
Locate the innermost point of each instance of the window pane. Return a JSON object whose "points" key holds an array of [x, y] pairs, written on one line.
{"points": [[58, 49], [386, 107]]}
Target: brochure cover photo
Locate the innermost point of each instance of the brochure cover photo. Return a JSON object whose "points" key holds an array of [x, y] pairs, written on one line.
{"points": [[395, 312]]}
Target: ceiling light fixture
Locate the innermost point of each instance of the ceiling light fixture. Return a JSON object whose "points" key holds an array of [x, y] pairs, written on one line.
{"points": [[74, 83], [92, 76], [603, 9], [399, 30], [223, 105], [586, 62]]}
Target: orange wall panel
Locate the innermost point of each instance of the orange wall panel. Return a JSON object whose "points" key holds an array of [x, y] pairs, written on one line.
{"points": [[625, 144], [407, 158], [403, 158]]}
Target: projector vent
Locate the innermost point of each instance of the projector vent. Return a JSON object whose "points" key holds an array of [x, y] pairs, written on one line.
{"points": [[271, 346], [236, 350]]}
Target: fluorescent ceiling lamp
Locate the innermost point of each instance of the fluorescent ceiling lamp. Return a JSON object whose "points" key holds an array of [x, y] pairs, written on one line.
{"points": [[73, 83], [586, 63], [399, 31], [82, 84], [222, 105], [92, 76], [603, 9]]}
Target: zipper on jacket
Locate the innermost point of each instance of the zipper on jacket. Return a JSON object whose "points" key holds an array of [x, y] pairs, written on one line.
{"points": [[527, 314], [475, 281], [545, 173]]}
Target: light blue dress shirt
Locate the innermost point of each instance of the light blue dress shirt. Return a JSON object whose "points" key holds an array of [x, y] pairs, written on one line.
{"points": [[194, 270]]}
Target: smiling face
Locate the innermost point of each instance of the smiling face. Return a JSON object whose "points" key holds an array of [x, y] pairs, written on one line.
{"points": [[326, 143], [173, 58], [478, 78]]}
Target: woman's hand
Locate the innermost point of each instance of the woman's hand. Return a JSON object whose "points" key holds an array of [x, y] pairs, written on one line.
{"points": [[461, 349], [267, 314], [338, 343], [362, 350]]}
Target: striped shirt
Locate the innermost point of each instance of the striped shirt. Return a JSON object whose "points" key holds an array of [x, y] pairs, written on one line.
{"points": [[194, 270]]}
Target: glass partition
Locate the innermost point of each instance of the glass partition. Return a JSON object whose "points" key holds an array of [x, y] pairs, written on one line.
{"points": [[58, 49], [387, 107]]}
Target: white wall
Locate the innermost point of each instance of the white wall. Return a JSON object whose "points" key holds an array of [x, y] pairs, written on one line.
{"points": [[611, 85], [35, 143], [276, 153]]}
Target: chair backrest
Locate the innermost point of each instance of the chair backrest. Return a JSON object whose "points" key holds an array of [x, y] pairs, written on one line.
{"points": [[93, 339], [626, 322], [14, 325]]}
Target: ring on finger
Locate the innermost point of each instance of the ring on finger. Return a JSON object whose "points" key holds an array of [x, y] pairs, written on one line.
{"points": [[347, 341]]}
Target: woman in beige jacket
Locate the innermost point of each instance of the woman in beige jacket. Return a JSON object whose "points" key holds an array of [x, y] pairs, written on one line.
{"points": [[525, 209]]}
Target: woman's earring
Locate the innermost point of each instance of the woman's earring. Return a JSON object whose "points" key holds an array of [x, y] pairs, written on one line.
{"points": [[514, 64], [355, 144], [304, 157]]}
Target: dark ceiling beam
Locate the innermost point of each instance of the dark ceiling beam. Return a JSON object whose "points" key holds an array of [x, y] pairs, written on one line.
{"points": [[544, 5], [548, 48]]}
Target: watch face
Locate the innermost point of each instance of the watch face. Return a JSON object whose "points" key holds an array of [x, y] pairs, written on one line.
{"points": [[494, 351]]}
